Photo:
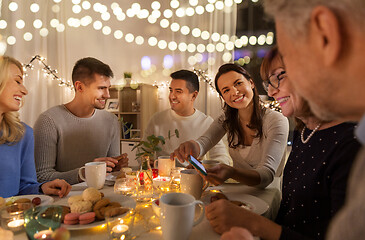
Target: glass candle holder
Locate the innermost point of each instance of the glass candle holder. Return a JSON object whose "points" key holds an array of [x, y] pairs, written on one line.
{"points": [[12, 217], [120, 227], [175, 178], [41, 221], [125, 186]]}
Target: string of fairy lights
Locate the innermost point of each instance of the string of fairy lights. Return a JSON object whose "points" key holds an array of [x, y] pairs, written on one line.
{"points": [[47, 69]]}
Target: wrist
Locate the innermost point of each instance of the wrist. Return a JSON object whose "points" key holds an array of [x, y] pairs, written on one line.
{"points": [[266, 229], [40, 190]]}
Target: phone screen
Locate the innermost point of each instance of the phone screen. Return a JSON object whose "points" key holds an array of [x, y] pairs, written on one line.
{"points": [[197, 165]]}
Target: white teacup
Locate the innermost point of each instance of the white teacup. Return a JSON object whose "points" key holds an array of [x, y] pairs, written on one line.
{"points": [[164, 165], [95, 173], [177, 215], [210, 163], [192, 183]]}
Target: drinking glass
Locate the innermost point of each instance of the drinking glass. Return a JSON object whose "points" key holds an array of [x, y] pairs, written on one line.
{"points": [[12, 217], [120, 227], [125, 186]]}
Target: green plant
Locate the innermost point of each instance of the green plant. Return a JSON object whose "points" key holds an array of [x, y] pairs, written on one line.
{"points": [[127, 75], [151, 145], [126, 127]]}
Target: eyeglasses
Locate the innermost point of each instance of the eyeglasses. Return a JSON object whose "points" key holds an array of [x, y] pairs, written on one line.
{"points": [[274, 80]]}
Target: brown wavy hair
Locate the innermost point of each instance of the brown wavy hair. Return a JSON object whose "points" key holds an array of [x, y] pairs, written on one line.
{"points": [[231, 122]]}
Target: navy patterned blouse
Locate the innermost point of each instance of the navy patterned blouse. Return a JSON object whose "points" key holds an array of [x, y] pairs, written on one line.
{"points": [[315, 180]]}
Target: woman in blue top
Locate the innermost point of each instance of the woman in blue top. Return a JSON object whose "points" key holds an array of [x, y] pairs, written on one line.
{"points": [[17, 171]]}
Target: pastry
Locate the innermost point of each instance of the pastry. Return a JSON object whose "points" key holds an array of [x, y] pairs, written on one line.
{"points": [[115, 211], [71, 218], [73, 199], [87, 218], [98, 206], [65, 210], [91, 194], [81, 207], [22, 200]]}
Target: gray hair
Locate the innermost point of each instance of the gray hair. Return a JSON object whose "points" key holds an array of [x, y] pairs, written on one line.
{"points": [[295, 14]]}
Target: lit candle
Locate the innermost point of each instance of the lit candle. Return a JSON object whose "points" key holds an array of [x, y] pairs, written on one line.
{"points": [[125, 189], [43, 234], [16, 223], [120, 228]]}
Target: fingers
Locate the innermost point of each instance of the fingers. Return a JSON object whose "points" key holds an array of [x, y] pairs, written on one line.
{"points": [[237, 233], [110, 162], [213, 179], [65, 188], [183, 151], [56, 187]]}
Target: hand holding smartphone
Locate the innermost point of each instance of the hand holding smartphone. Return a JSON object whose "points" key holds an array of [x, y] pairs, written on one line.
{"points": [[197, 165]]}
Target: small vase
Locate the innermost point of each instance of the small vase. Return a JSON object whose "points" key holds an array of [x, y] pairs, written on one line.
{"points": [[144, 181]]}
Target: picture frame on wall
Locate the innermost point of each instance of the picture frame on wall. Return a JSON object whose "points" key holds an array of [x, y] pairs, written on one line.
{"points": [[112, 105]]}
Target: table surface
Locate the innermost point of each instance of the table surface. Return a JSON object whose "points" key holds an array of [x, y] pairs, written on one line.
{"points": [[203, 231]]}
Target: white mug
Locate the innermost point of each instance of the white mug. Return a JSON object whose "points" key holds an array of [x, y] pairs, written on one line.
{"points": [[177, 215], [164, 165], [192, 183], [95, 173]]}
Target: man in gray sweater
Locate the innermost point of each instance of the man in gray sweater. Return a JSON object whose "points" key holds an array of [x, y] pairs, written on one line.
{"points": [[70, 135]]}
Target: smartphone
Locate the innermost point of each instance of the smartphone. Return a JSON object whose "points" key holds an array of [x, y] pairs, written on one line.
{"points": [[197, 165]]}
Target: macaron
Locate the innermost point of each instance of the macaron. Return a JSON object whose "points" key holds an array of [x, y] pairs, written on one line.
{"points": [[87, 218], [71, 218]]}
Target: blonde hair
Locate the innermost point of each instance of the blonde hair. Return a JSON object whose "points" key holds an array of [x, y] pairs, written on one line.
{"points": [[295, 14], [11, 129]]}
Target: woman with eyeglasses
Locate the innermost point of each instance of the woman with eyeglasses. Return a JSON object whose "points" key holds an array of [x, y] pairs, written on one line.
{"points": [[17, 172], [315, 176], [257, 137]]}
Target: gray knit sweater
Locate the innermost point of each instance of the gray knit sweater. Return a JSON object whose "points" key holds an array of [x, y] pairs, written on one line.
{"points": [[64, 142]]}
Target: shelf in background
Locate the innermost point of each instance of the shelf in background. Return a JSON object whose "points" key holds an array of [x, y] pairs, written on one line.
{"points": [[130, 139], [129, 112]]}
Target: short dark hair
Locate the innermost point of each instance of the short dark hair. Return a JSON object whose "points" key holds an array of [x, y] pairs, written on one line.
{"points": [[191, 79], [85, 69]]}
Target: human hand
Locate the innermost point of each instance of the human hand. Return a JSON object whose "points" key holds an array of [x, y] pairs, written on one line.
{"points": [[122, 162], [223, 215], [56, 187], [110, 162], [218, 174], [185, 149], [237, 233]]}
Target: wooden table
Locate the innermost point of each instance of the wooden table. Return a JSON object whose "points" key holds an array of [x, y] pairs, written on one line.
{"points": [[203, 231]]}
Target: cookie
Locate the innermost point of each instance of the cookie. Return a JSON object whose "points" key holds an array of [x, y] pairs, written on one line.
{"points": [[87, 221], [71, 218], [81, 207], [86, 216], [71, 222], [65, 210], [73, 199], [22, 200], [91, 194], [115, 211]]}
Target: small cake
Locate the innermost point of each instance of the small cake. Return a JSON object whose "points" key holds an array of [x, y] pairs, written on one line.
{"points": [[81, 206], [91, 194], [73, 199]]}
